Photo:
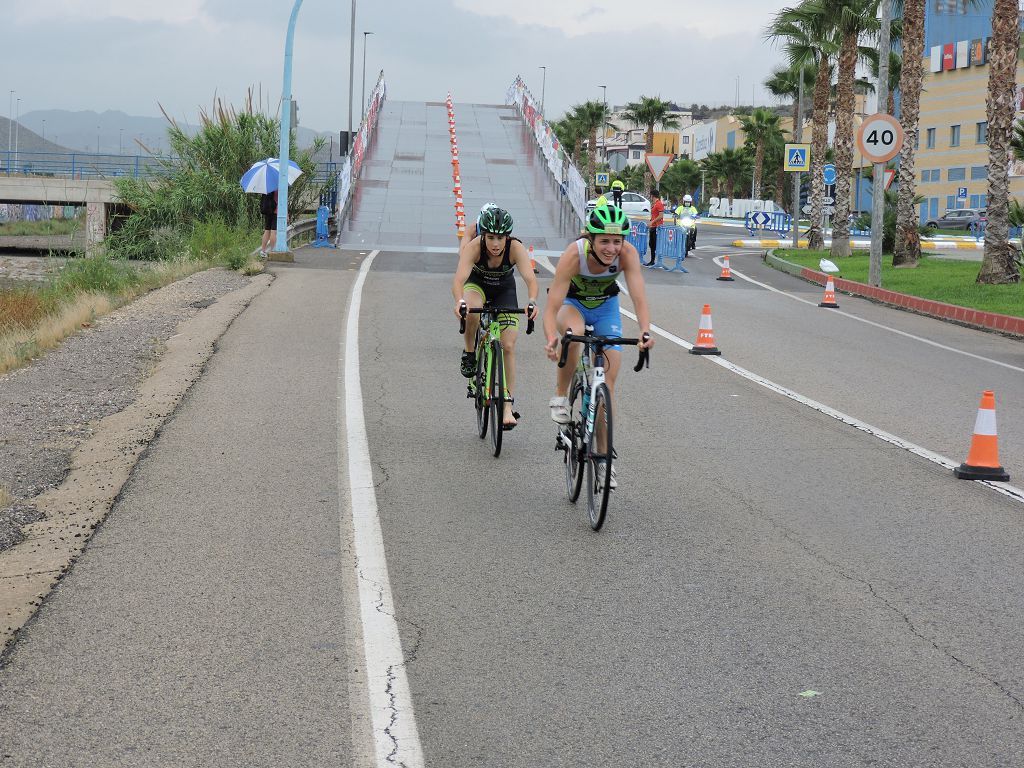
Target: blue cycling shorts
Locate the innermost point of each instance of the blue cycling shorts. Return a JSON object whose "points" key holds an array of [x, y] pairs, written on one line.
{"points": [[605, 318]]}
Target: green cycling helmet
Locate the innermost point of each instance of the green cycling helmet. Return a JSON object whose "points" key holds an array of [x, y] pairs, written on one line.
{"points": [[608, 220], [495, 220]]}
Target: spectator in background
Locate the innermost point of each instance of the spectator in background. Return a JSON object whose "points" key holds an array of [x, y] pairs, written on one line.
{"points": [[268, 209], [657, 219], [617, 189]]}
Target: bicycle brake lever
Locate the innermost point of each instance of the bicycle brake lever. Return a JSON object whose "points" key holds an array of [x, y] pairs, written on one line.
{"points": [[462, 318], [529, 319]]}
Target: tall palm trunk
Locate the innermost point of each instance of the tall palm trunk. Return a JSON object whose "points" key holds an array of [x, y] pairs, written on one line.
{"points": [[908, 240], [780, 188], [998, 264], [592, 161], [649, 182], [844, 145], [758, 168], [819, 140]]}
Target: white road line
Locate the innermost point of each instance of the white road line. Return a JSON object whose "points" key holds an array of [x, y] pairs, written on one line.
{"points": [[1005, 489], [395, 735], [936, 344]]}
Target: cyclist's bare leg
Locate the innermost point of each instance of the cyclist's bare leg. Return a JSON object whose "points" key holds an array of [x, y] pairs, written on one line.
{"points": [[508, 347], [474, 301], [568, 317]]}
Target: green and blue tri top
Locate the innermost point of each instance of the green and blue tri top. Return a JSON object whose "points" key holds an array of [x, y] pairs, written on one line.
{"points": [[592, 289]]}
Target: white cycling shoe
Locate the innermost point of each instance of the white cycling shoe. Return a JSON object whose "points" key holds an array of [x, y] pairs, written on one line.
{"points": [[599, 472], [560, 410]]}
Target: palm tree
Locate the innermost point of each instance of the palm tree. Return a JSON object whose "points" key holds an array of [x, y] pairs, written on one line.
{"points": [[785, 83], [738, 169], [570, 136], [590, 116], [809, 40], [714, 168], [999, 263], [907, 248], [682, 177], [760, 127], [854, 20], [648, 112]]}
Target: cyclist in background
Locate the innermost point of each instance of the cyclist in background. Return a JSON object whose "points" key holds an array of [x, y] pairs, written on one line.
{"points": [[486, 275], [584, 292], [474, 229]]}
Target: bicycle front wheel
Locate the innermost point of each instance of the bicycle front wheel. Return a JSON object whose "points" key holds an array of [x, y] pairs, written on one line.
{"points": [[574, 456], [480, 397], [599, 463], [497, 396]]}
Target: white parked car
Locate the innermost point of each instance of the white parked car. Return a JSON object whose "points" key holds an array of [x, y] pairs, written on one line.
{"points": [[632, 203]]}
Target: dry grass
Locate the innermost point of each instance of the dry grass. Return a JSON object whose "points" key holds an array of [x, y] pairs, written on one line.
{"points": [[19, 345], [22, 307]]}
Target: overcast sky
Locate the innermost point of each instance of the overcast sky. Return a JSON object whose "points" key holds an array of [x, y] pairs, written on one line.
{"points": [[132, 55]]}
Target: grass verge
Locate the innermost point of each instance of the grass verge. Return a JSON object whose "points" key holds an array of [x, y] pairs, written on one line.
{"points": [[947, 280], [41, 228], [35, 318]]}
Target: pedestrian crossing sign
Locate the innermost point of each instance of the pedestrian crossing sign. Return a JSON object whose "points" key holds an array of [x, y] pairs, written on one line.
{"points": [[798, 157]]}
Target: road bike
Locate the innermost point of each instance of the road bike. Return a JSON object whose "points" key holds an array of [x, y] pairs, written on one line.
{"points": [[487, 387], [590, 422]]}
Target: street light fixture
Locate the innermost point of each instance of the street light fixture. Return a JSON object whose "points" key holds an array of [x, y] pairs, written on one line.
{"points": [[120, 141], [362, 113], [604, 116], [543, 83], [10, 123]]}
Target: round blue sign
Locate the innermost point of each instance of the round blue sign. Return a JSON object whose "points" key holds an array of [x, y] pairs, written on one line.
{"points": [[829, 172]]}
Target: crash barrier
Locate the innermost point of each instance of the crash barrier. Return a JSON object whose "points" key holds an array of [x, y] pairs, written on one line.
{"points": [[352, 165], [860, 232], [775, 221], [977, 228], [670, 247], [323, 223]]}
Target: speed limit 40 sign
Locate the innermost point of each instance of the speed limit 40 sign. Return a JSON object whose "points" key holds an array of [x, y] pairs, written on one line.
{"points": [[880, 138]]}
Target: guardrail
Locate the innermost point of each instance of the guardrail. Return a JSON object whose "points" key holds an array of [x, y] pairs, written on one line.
{"points": [[83, 165], [977, 228], [670, 245], [352, 165], [771, 221]]}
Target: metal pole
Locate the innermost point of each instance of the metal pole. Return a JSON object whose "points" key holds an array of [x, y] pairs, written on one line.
{"points": [[351, 72], [44, 129], [120, 141], [17, 126], [798, 131], [878, 187], [284, 150], [604, 116], [362, 99], [543, 83], [10, 123]]}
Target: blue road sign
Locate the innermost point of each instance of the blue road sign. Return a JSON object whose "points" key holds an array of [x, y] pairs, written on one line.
{"points": [[829, 172], [961, 193], [797, 157]]}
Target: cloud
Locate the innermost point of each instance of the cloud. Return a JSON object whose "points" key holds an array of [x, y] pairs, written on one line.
{"points": [[575, 18], [177, 12]]}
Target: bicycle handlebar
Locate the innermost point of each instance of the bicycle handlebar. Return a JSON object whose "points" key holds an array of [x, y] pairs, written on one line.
{"points": [[604, 341], [465, 310]]}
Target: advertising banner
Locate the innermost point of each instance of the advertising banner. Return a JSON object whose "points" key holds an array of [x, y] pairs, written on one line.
{"points": [[936, 62], [703, 140], [978, 52], [949, 56], [963, 55]]}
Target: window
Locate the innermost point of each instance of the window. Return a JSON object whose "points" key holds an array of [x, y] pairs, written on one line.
{"points": [[981, 135], [928, 176], [950, 202], [957, 174], [636, 154], [930, 143], [954, 135], [686, 139], [979, 172]]}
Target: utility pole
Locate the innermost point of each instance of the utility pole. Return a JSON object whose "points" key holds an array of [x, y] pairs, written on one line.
{"points": [[878, 182], [363, 98], [604, 117], [10, 122], [798, 132], [351, 73], [284, 149]]}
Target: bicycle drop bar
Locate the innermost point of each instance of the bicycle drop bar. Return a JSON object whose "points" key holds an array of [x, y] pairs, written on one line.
{"points": [[464, 310], [603, 341]]}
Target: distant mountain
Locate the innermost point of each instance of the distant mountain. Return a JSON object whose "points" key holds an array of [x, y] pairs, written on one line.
{"points": [[109, 132], [26, 140]]}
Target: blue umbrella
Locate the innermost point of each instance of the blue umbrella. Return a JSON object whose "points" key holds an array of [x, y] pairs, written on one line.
{"points": [[262, 177]]}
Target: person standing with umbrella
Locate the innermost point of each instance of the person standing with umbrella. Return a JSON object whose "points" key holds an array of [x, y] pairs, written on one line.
{"points": [[268, 209], [263, 179]]}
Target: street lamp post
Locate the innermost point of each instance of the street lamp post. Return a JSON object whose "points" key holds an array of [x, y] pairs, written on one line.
{"points": [[362, 100], [543, 83], [44, 129], [284, 150], [604, 116], [97, 139], [17, 126], [878, 185], [10, 123], [120, 141], [351, 74]]}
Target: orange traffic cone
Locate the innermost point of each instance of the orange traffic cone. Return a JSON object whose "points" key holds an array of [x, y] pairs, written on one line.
{"points": [[983, 458], [726, 273], [705, 335], [533, 263], [830, 295], [461, 231]]}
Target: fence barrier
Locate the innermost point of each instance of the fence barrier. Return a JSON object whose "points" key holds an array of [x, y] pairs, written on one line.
{"points": [[774, 221]]}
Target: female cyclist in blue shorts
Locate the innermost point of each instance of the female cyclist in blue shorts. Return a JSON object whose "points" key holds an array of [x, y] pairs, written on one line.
{"points": [[584, 291]]}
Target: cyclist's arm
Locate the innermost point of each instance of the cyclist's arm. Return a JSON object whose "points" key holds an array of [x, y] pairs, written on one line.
{"points": [[568, 267], [521, 258], [630, 261], [469, 237], [463, 271]]}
